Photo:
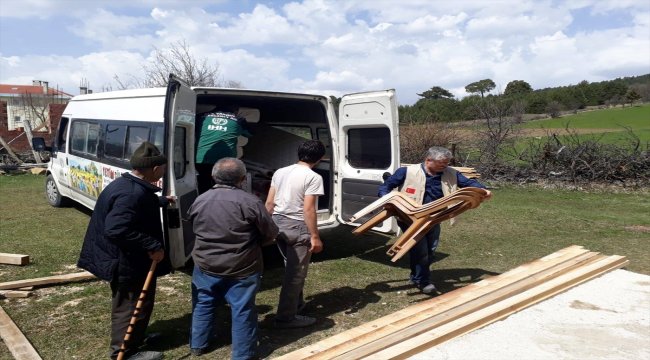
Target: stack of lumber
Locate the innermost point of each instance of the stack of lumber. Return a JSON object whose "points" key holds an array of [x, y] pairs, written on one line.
{"points": [[14, 339], [421, 218], [469, 172], [426, 324]]}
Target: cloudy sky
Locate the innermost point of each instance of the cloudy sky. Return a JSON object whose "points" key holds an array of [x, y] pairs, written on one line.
{"points": [[330, 47]]}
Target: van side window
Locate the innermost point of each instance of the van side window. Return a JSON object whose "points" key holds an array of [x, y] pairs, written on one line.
{"points": [[158, 138], [114, 144], [136, 136], [324, 136], [85, 136], [369, 148], [179, 152]]}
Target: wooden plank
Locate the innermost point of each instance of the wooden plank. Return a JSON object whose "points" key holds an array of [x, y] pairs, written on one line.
{"points": [[345, 341], [14, 294], [15, 340], [9, 150], [411, 346], [14, 259], [56, 279], [428, 320]]}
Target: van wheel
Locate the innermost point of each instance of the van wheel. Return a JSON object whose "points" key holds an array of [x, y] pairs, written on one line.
{"points": [[52, 193]]}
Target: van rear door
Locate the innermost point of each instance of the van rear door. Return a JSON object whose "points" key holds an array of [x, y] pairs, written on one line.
{"points": [[180, 178], [368, 148]]}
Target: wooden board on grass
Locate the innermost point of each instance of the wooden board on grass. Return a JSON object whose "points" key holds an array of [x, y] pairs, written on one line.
{"points": [[48, 280], [15, 340], [411, 346], [14, 259], [373, 331]]}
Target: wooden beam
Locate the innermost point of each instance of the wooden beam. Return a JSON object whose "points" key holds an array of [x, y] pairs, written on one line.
{"points": [[411, 346], [14, 259], [28, 131], [9, 150], [351, 339], [15, 340], [14, 294], [437, 317], [56, 279]]}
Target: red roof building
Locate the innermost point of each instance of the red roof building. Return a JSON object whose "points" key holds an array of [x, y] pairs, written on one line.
{"points": [[38, 103]]}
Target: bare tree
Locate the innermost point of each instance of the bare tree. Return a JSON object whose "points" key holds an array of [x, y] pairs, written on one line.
{"points": [[35, 108], [177, 60], [500, 118]]}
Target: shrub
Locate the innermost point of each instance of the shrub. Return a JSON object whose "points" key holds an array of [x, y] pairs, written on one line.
{"points": [[416, 139]]}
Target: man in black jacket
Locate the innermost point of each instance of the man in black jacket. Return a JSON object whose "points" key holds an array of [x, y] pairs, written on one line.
{"points": [[123, 237]]}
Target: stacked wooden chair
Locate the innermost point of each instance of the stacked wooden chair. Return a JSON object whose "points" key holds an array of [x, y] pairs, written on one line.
{"points": [[421, 218]]}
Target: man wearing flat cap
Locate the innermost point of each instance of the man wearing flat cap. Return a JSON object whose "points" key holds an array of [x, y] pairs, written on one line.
{"points": [[123, 237]]}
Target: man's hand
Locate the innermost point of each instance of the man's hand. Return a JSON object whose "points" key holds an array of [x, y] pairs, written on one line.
{"points": [[316, 244], [487, 196], [171, 199], [157, 255]]}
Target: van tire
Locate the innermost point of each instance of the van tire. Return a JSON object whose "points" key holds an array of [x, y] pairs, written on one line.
{"points": [[52, 193]]}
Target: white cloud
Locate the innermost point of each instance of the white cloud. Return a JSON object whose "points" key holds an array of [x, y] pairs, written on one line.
{"points": [[43, 9], [114, 31], [427, 24], [347, 46]]}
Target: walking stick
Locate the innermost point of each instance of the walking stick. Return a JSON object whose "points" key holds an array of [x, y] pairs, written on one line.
{"points": [[138, 309]]}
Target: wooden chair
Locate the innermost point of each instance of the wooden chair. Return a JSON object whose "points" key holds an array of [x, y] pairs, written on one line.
{"points": [[421, 218]]}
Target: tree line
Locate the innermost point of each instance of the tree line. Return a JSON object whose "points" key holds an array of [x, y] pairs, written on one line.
{"points": [[438, 104]]}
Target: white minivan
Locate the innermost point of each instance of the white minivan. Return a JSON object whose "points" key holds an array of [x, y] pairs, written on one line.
{"points": [[98, 133]]}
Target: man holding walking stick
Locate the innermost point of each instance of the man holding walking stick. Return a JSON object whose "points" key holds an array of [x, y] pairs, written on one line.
{"points": [[123, 238]]}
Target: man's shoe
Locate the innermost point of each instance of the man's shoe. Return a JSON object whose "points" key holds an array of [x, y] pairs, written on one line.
{"points": [[146, 355], [152, 339], [301, 307], [297, 322], [428, 289], [198, 352]]}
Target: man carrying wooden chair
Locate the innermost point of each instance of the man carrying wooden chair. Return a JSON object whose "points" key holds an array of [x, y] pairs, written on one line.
{"points": [[424, 183]]}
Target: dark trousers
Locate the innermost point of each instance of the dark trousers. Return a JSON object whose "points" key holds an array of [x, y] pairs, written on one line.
{"points": [[125, 298], [204, 177], [422, 255]]}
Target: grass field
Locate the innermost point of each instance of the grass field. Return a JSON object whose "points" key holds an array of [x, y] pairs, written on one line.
{"points": [[634, 117], [351, 282], [608, 125]]}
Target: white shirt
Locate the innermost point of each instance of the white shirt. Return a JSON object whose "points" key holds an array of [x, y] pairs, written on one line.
{"points": [[291, 184]]}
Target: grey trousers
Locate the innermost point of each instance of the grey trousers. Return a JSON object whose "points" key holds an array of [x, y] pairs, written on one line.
{"points": [[294, 243]]}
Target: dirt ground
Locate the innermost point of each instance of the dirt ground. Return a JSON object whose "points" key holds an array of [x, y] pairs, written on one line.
{"points": [[607, 318]]}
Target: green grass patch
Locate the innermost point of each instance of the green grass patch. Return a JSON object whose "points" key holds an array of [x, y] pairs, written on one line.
{"points": [[352, 282], [635, 117]]}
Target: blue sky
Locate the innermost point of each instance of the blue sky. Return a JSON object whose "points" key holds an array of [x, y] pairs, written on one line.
{"points": [[330, 47]]}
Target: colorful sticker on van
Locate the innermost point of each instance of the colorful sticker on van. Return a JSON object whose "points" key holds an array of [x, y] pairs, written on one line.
{"points": [[110, 174], [85, 177]]}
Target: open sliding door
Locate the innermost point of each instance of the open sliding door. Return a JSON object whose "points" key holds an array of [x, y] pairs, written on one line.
{"points": [[180, 179]]}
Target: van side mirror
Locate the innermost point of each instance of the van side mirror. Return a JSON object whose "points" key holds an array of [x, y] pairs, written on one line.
{"points": [[38, 144]]}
